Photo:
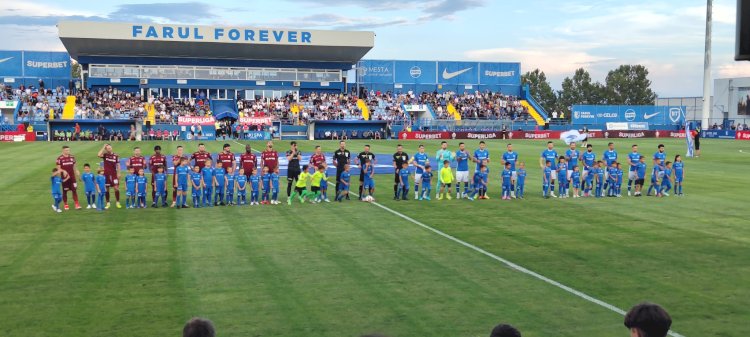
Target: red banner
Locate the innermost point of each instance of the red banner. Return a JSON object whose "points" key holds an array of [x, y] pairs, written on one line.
{"points": [[256, 120], [189, 120], [743, 135], [445, 135], [17, 136]]}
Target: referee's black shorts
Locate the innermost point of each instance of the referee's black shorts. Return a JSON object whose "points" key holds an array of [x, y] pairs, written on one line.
{"points": [[292, 175], [361, 176]]}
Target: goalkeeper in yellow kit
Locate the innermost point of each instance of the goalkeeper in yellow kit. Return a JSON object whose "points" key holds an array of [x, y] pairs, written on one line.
{"points": [[446, 178]]}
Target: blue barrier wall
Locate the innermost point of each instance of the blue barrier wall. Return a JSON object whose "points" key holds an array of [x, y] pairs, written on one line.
{"points": [[318, 128], [92, 125], [27, 67], [602, 114]]}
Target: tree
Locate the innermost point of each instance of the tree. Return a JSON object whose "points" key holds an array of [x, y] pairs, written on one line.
{"points": [[540, 88], [629, 85], [580, 90], [75, 70]]}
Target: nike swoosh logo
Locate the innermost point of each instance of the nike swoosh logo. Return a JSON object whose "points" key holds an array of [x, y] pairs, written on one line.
{"points": [[647, 116], [447, 75], [5, 59]]}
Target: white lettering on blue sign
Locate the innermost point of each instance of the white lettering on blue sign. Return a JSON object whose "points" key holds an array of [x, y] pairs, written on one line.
{"points": [[219, 34], [46, 65]]}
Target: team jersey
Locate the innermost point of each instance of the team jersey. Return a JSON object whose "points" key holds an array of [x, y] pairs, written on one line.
{"points": [[619, 176], [462, 158], [226, 160], [195, 179], [231, 178], [141, 184], [208, 176], [575, 177], [200, 158], [345, 177], [342, 158], [480, 155], [399, 158], [679, 168], [443, 155], [137, 163], [667, 173], [656, 172], [302, 180], [156, 161], [506, 175], [427, 178], [588, 159], [420, 159], [266, 179], [404, 174], [249, 161], [572, 157], [255, 182], [590, 176], [612, 172], [365, 155], [101, 181], [270, 159], [512, 158], [369, 171], [662, 156], [88, 182], [130, 181], [316, 178], [609, 156], [293, 164], [275, 181], [317, 159], [241, 181], [160, 182], [547, 173], [220, 176], [641, 170], [521, 177], [549, 156], [562, 170], [176, 160], [634, 158], [480, 179], [181, 173], [111, 160], [67, 164], [56, 184], [600, 175], [446, 175]]}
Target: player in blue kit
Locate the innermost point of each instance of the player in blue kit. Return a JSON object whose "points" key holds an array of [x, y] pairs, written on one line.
{"points": [[520, 180], [462, 170], [220, 183], [588, 178], [588, 159], [182, 175], [575, 181], [666, 180], [344, 183], [89, 186], [265, 179], [656, 175], [479, 185], [160, 187], [130, 191], [426, 183], [611, 180], [196, 181], [420, 160], [660, 155], [640, 175], [208, 183], [241, 181], [549, 155], [507, 184], [275, 186], [324, 184], [618, 188], [254, 181], [572, 156], [511, 157], [601, 172], [101, 188], [369, 183], [633, 160], [231, 178], [140, 187], [609, 156], [57, 180], [403, 184], [480, 155], [679, 174], [562, 177], [547, 174]]}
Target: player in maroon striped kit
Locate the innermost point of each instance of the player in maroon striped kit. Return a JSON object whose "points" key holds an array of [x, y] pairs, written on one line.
{"points": [[201, 156], [248, 161], [137, 161], [226, 157], [154, 162], [270, 157], [111, 172], [67, 163], [318, 158]]}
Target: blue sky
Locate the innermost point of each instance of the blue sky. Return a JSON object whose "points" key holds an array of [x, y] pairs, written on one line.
{"points": [[555, 36]]}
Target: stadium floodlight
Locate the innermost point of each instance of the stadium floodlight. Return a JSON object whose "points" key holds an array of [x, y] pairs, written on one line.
{"points": [[707, 68]]}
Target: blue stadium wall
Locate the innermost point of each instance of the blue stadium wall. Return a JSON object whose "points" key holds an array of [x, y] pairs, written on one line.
{"points": [[441, 76], [19, 67]]}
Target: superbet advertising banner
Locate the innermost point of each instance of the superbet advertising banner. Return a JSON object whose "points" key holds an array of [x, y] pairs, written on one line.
{"points": [[542, 135], [743, 135]]}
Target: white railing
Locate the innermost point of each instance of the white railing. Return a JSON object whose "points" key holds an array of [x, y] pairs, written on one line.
{"points": [[214, 73]]}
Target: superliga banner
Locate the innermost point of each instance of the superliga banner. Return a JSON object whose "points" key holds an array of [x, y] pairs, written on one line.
{"points": [[34, 64], [654, 115]]}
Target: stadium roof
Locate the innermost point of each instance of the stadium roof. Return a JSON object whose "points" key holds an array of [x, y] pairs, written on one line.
{"points": [[212, 42]]}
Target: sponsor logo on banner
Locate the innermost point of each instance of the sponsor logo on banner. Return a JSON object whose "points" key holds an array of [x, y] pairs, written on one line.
{"points": [[631, 135], [675, 114], [648, 116], [257, 135], [630, 115], [743, 135], [256, 120], [46, 65], [5, 59], [8, 104], [618, 126], [189, 120], [415, 72], [448, 75], [676, 134], [12, 136], [491, 135]]}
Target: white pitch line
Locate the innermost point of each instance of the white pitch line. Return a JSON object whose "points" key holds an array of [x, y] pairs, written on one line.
{"points": [[515, 266]]}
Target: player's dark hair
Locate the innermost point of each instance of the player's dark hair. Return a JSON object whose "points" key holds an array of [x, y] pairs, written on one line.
{"points": [[54, 169], [668, 162], [179, 146], [634, 145], [427, 166], [293, 143], [201, 144], [342, 141], [507, 164], [461, 143], [198, 327], [421, 145], [505, 330], [305, 167], [399, 145], [549, 142], [65, 147], [677, 156], [443, 142], [610, 143], [225, 146], [320, 167], [160, 168], [446, 162], [367, 145], [642, 157], [660, 146], [509, 144], [136, 148], [317, 147], [561, 157], [86, 165], [649, 319], [157, 148], [589, 146]]}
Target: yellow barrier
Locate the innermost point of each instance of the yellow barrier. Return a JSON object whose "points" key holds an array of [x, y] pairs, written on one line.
{"points": [[452, 111], [69, 110]]}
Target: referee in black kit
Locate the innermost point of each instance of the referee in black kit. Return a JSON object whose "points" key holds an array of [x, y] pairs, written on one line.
{"points": [[361, 157], [340, 158], [293, 170], [399, 158]]}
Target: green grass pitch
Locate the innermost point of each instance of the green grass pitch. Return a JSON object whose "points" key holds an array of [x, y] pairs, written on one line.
{"points": [[353, 268]]}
